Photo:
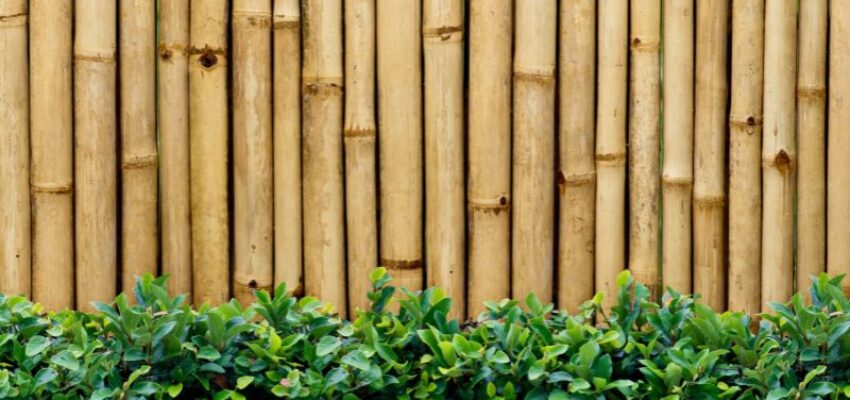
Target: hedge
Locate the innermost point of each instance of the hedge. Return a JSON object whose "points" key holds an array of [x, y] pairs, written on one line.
{"points": [[283, 347]]}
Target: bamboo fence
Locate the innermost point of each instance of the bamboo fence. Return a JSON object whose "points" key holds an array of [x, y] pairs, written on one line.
{"points": [[493, 148]]}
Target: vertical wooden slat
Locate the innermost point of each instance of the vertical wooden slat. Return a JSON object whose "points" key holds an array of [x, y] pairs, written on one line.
{"points": [[710, 153], [489, 186], [252, 147], [445, 230], [779, 157], [322, 83], [745, 125], [95, 151], [612, 55], [173, 116], [15, 245], [288, 265], [360, 169], [644, 137], [400, 146], [208, 140], [52, 141], [838, 227]]}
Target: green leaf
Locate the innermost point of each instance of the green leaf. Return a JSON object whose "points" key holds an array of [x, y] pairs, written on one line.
{"points": [[36, 345], [327, 345], [174, 390], [66, 360], [244, 381], [357, 360], [208, 353]]}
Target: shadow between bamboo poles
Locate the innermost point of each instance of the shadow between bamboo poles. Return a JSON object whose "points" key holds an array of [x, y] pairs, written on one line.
{"points": [[52, 149]]}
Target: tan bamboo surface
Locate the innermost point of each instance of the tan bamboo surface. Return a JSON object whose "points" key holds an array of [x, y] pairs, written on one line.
{"points": [[612, 42], [779, 156], [534, 66], [677, 175], [322, 84], [745, 131], [52, 150], [360, 169], [577, 167], [489, 154], [445, 230], [710, 130], [208, 158], [173, 126], [252, 147], [644, 138], [15, 221], [95, 152], [811, 142], [400, 146], [838, 189], [137, 63], [288, 265]]}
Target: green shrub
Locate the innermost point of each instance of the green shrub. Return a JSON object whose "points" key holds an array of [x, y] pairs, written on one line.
{"points": [[296, 348]]}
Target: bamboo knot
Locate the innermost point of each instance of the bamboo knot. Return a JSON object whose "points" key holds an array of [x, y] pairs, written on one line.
{"points": [[575, 179], [748, 123], [321, 87], [815, 92], [709, 201], [51, 188], [782, 160], [139, 161], [401, 265], [645, 47], [208, 55], [166, 51], [359, 132], [280, 22], [612, 159], [252, 283], [260, 19], [544, 76], [492, 205], [444, 33], [677, 181], [106, 58], [13, 20]]}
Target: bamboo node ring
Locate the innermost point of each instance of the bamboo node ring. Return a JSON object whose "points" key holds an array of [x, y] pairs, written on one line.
{"points": [[139, 161], [401, 265]]}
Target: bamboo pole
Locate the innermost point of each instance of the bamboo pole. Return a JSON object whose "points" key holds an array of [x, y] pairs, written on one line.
{"points": [[322, 83], [677, 174], [778, 151], [745, 125], [534, 143], [611, 144], [252, 148], [709, 197], [361, 193], [577, 173], [52, 148], [288, 267], [95, 151], [489, 224], [811, 122], [445, 230], [137, 52], [208, 139], [173, 111], [15, 245], [838, 234], [644, 135], [400, 148]]}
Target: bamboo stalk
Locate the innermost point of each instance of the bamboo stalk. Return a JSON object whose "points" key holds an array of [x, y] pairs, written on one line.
{"points": [[360, 195], [745, 127], [252, 148], [287, 145], [838, 234], [677, 174], [52, 149], [611, 144], [811, 124], [778, 151], [489, 190], [445, 241], [137, 52], [15, 245], [400, 148], [709, 157], [644, 135], [322, 83], [208, 140], [95, 151], [577, 173], [173, 112], [534, 143]]}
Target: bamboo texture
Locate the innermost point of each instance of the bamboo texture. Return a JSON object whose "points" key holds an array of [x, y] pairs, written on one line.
{"points": [[745, 126], [322, 84], [360, 169], [208, 158], [838, 191], [95, 158], [252, 148], [173, 125], [52, 149], [489, 184]]}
